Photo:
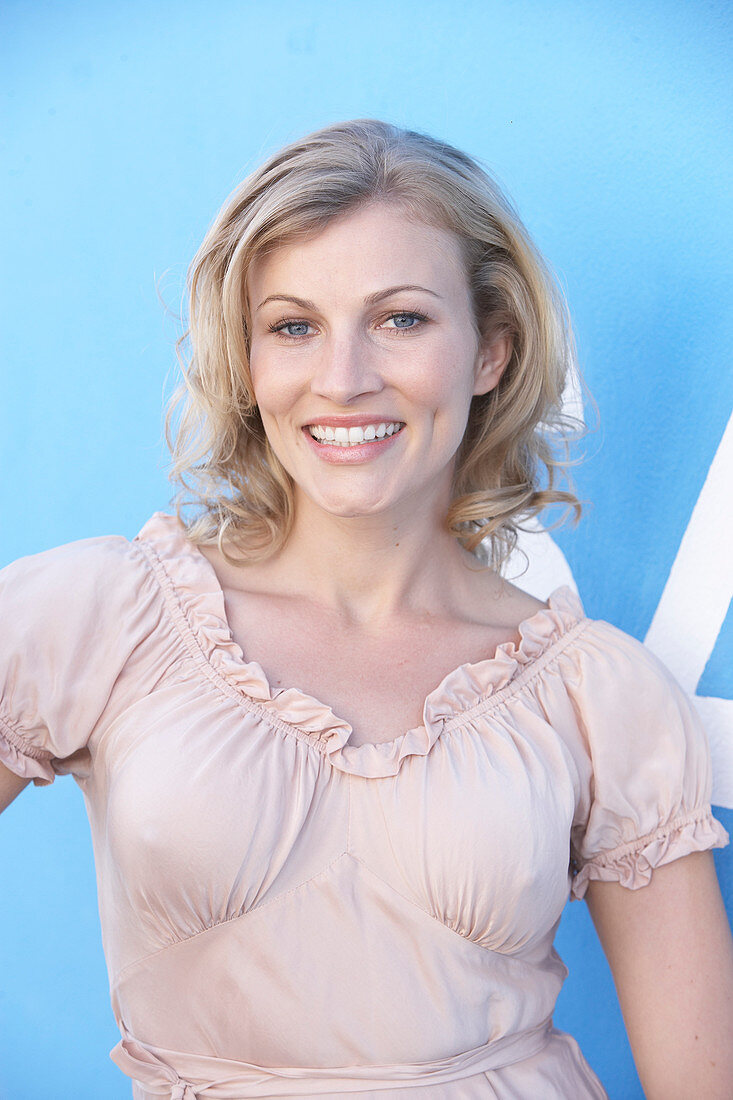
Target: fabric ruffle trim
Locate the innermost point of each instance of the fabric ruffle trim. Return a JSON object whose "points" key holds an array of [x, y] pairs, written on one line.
{"points": [[631, 864], [196, 589], [23, 758]]}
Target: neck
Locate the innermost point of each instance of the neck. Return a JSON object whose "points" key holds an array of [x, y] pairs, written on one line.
{"points": [[371, 569]]}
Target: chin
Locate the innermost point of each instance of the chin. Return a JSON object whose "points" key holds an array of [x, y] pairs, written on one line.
{"points": [[354, 511], [349, 508]]}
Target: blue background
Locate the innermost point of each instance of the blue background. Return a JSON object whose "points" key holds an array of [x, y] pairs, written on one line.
{"points": [[127, 125]]}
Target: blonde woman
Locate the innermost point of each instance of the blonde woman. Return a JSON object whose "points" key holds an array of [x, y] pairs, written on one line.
{"points": [[341, 776]]}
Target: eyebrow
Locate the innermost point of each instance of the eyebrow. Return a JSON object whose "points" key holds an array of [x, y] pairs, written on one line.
{"points": [[370, 300]]}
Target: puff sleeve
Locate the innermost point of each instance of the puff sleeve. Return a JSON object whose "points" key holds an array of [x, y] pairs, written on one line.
{"points": [[645, 769], [69, 619]]}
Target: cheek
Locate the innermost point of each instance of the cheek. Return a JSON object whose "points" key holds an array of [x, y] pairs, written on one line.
{"points": [[271, 384], [445, 386]]}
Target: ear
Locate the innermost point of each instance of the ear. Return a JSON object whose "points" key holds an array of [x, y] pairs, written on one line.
{"points": [[493, 356]]}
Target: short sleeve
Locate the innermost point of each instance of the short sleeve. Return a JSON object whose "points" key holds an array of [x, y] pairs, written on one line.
{"points": [[645, 796], [69, 619]]}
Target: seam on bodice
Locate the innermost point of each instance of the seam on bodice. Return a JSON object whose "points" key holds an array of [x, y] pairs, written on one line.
{"points": [[437, 920], [299, 886], [229, 920]]}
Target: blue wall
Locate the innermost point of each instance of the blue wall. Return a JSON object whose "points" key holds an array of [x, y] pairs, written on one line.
{"points": [[126, 126]]}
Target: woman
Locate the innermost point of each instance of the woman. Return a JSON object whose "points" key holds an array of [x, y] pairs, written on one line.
{"points": [[320, 873]]}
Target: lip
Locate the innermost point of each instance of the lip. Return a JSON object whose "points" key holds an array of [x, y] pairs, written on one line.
{"points": [[350, 456], [352, 421]]}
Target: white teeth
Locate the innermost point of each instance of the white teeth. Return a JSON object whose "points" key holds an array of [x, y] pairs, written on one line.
{"points": [[352, 437]]}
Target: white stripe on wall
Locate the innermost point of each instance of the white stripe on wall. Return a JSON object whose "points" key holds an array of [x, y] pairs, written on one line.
{"points": [[693, 606]]}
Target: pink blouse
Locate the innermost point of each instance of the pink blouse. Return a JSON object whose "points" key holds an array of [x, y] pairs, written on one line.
{"points": [[285, 914]]}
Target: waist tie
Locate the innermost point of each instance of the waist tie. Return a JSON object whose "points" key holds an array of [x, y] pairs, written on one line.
{"points": [[176, 1075]]}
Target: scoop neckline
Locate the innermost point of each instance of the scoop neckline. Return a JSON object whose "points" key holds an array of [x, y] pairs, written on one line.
{"points": [[195, 590]]}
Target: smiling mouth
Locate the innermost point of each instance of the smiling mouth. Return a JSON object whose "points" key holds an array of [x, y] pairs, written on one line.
{"points": [[355, 436]]}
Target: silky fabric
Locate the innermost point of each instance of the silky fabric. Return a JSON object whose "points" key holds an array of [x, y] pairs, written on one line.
{"points": [[288, 914]]}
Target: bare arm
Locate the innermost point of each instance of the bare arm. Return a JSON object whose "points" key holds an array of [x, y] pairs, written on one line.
{"points": [[10, 786], [670, 950]]}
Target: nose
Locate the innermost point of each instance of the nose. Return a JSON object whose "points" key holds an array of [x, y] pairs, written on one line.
{"points": [[345, 368]]}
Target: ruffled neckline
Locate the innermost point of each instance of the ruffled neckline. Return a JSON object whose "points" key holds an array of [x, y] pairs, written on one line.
{"points": [[196, 594]]}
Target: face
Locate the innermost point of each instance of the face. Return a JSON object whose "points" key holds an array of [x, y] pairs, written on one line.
{"points": [[364, 359]]}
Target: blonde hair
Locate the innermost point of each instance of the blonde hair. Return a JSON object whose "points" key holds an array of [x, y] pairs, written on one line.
{"points": [[515, 447]]}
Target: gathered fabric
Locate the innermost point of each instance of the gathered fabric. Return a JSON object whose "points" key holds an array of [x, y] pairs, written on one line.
{"points": [[286, 913]]}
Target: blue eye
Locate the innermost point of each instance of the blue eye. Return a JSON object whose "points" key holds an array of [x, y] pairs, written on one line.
{"points": [[405, 320], [295, 328], [290, 328]]}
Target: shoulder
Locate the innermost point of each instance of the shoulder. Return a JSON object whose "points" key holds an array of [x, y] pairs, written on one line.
{"points": [[520, 605], [95, 556], [498, 603], [628, 704], [611, 652], [76, 577], [87, 552], [70, 620]]}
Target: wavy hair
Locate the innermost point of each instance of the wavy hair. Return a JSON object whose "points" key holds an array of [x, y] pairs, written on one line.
{"points": [[515, 447]]}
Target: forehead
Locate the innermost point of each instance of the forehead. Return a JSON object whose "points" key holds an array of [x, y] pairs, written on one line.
{"points": [[363, 250]]}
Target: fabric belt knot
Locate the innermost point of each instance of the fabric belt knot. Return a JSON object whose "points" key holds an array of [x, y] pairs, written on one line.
{"points": [[181, 1091], [177, 1075], [140, 1063]]}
